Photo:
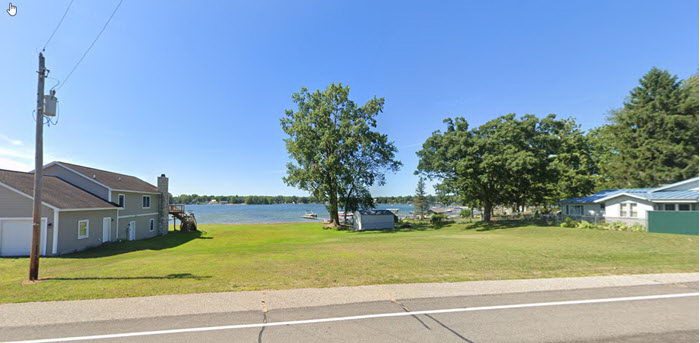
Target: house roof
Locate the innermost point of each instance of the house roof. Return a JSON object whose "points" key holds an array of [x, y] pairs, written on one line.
{"points": [[663, 188], [55, 192], [112, 180], [376, 212], [651, 194], [606, 194], [673, 195]]}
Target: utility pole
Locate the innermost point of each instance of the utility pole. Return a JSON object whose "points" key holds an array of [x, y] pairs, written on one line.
{"points": [[38, 173]]}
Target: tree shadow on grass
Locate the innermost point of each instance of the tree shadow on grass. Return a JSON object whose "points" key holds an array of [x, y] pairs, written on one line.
{"points": [[504, 224], [171, 240], [148, 277]]}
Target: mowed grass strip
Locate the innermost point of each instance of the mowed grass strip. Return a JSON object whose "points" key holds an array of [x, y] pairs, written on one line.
{"points": [[278, 256]]}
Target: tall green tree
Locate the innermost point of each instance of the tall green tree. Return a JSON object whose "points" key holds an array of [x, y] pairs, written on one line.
{"points": [[653, 138], [333, 144], [509, 161], [420, 202]]}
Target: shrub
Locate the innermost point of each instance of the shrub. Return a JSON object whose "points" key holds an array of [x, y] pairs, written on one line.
{"points": [[585, 225], [438, 219], [568, 222], [465, 213], [615, 226]]}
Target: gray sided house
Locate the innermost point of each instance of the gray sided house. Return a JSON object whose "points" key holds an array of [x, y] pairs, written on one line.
{"points": [[83, 207], [373, 220], [633, 205]]}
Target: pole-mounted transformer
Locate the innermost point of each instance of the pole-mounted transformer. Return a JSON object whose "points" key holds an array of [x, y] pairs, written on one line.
{"points": [[50, 102]]}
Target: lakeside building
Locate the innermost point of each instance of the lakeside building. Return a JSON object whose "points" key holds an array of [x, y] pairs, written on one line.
{"points": [[373, 220], [82, 207], [633, 205]]}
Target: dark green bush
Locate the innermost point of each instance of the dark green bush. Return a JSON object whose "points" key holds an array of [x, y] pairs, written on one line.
{"points": [[438, 219]]}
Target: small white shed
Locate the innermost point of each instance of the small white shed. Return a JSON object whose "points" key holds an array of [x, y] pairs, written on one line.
{"points": [[373, 220]]}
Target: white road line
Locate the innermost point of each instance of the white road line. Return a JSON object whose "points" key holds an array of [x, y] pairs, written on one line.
{"points": [[366, 316]]}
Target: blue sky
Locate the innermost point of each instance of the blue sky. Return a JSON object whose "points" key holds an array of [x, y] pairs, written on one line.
{"points": [[195, 90]]}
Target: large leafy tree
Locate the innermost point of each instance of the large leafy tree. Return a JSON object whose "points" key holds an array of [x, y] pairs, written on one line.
{"points": [[653, 138], [336, 151], [510, 161]]}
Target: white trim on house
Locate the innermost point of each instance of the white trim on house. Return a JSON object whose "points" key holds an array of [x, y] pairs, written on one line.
{"points": [[139, 215], [143, 198], [87, 209], [87, 227], [29, 196], [619, 195], [130, 191], [54, 243], [116, 237], [665, 201], [675, 184]]}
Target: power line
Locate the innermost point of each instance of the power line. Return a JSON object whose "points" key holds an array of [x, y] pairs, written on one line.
{"points": [[57, 26], [91, 44]]}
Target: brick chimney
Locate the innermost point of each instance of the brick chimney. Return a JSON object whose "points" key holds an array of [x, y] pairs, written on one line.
{"points": [[164, 204]]}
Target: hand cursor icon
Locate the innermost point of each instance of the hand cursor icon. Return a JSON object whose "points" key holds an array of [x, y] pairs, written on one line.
{"points": [[12, 10]]}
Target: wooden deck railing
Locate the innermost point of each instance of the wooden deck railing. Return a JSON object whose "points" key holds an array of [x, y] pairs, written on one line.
{"points": [[177, 208]]}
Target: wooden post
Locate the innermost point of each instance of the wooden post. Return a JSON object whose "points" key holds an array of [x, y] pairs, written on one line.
{"points": [[38, 174]]}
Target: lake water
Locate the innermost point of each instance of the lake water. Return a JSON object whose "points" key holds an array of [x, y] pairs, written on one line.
{"points": [[248, 214]]}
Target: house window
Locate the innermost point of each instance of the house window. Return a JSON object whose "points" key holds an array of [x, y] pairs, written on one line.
{"points": [[623, 210], [83, 228], [146, 201], [669, 207], [121, 200], [694, 207], [152, 225], [684, 207], [577, 210], [633, 210]]}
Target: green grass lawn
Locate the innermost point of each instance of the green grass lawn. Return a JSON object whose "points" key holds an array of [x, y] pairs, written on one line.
{"points": [[277, 256]]}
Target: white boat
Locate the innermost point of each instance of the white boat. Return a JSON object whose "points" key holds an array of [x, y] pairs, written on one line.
{"points": [[310, 215]]}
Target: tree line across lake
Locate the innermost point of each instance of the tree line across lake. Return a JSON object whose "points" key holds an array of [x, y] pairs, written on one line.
{"points": [[285, 199]]}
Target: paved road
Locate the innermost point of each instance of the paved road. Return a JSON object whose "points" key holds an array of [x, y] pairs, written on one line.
{"points": [[547, 316]]}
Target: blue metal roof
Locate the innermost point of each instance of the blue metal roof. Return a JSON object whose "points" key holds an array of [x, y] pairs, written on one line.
{"points": [[680, 195], [376, 212], [646, 193]]}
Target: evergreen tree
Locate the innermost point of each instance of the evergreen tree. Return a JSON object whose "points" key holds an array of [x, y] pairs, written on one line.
{"points": [[420, 203], [653, 138]]}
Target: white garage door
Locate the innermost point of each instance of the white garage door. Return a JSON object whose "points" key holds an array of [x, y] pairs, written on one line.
{"points": [[16, 237]]}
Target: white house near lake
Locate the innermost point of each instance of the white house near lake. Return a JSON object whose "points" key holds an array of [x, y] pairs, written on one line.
{"points": [[631, 205]]}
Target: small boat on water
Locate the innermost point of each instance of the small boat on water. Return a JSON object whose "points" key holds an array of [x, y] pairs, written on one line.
{"points": [[310, 215]]}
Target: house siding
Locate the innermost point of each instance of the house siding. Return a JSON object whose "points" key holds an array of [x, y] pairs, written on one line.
{"points": [[612, 210], [134, 211], [15, 205], [68, 241], [133, 203], [77, 180], [589, 211]]}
